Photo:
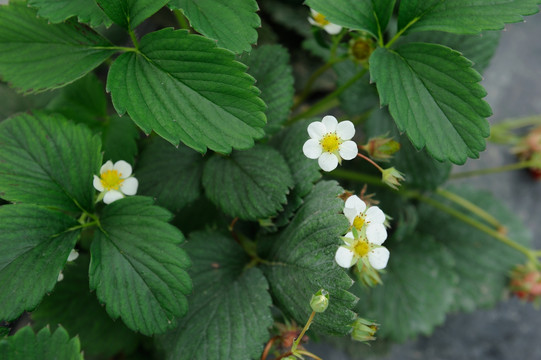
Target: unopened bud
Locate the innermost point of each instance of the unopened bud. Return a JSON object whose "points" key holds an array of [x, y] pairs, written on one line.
{"points": [[320, 301], [381, 148], [526, 283], [392, 177], [364, 330]]}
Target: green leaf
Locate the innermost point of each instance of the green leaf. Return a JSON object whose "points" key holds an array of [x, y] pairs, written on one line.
{"points": [[417, 290], [34, 246], [130, 13], [171, 175], [302, 262], [482, 262], [137, 268], [371, 16], [49, 161], [77, 309], [37, 56], [119, 138], [43, 345], [186, 89], [11, 102], [232, 23], [269, 65], [57, 11], [434, 96], [230, 307], [362, 96], [463, 16], [249, 184]]}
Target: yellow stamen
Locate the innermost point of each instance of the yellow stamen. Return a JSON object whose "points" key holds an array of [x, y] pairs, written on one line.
{"points": [[320, 19], [111, 180], [361, 248], [358, 222], [330, 142]]}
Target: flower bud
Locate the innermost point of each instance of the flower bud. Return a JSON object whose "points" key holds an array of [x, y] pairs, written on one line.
{"points": [[364, 330], [367, 275], [381, 148], [526, 282], [392, 177], [360, 48], [320, 301]]}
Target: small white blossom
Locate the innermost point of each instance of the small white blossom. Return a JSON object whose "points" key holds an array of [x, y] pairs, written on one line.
{"points": [[73, 255], [366, 220], [330, 142], [319, 20], [115, 181], [361, 248]]}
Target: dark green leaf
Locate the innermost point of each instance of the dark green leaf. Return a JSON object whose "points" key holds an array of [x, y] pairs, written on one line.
{"points": [[34, 246], [11, 102], [36, 56], [130, 13], [49, 161], [362, 96], [57, 11], [186, 89], [434, 96], [249, 184], [230, 309], [137, 268], [119, 138]]}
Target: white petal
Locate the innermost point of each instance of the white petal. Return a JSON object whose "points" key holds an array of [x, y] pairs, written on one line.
{"points": [[313, 13], [345, 130], [350, 214], [327, 161], [344, 257], [348, 150], [378, 258], [316, 130], [313, 22], [123, 168], [376, 233], [97, 184], [356, 203], [73, 255], [349, 235], [60, 277], [332, 29], [374, 215], [111, 196], [312, 149], [330, 123], [129, 186], [106, 167]]}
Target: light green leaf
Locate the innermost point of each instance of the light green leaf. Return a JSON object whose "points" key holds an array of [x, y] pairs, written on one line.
{"points": [[57, 11], [37, 56], [130, 13], [119, 138], [171, 175], [269, 65], [463, 16], [137, 268], [34, 246], [186, 89], [230, 307], [302, 262], [26, 345], [48, 161], [249, 184], [434, 96], [231, 22]]}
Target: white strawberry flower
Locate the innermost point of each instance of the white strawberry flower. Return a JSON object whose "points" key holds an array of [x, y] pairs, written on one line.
{"points": [[115, 181], [319, 20], [330, 142], [71, 257], [369, 221], [361, 249]]}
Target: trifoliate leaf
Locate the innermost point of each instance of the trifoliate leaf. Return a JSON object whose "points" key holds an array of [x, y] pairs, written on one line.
{"points": [[250, 184], [463, 16], [230, 307], [434, 96], [34, 246], [48, 161], [130, 13], [186, 89], [43, 345], [137, 268], [269, 65], [119, 137], [232, 23], [417, 289], [57, 11], [77, 309], [37, 56], [361, 96], [171, 175], [302, 262]]}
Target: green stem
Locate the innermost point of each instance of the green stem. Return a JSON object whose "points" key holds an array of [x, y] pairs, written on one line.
{"points": [[82, 226], [306, 327], [119, 48], [133, 38], [308, 353], [355, 176], [515, 166], [399, 34], [181, 19], [336, 41], [515, 123]]}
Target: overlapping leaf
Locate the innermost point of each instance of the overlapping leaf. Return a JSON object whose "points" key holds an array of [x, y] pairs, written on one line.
{"points": [[11, 102], [56, 11], [119, 137], [130, 13]]}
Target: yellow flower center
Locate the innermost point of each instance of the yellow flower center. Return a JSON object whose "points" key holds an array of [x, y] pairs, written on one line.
{"points": [[358, 222], [111, 180], [330, 142], [320, 19], [361, 248]]}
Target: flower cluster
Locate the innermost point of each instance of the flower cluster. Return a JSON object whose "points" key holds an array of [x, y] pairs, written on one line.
{"points": [[115, 181]]}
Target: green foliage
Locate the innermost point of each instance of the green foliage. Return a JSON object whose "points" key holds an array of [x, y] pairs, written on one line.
{"points": [[43, 345], [11, 102], [186, 89], [119, 138], [250, 185], [231, 22], [137, 268], [230, 308], [37, 56], [57, 11], [130, 13], [362, 96]]}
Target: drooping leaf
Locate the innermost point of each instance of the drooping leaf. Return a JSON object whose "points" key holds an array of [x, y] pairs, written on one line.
{"points": [[34, 246], [49, 161], [57, 11], [43, 345], [269, 65], [232, 23], [230, 307], [434, 96], [137, 268], [248, 184], [171, 175], [186, 89], [302, 262], [119, 137], [37, 56], [463, 16], [130, 13]]}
